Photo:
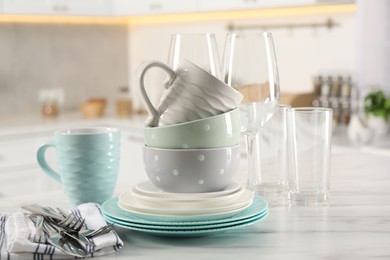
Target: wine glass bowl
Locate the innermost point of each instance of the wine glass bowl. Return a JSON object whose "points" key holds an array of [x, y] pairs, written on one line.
{"points": [[250, 66], [199, 48]]}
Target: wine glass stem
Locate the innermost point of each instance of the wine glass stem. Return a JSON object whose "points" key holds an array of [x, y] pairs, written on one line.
{"points": [[253, 148]]}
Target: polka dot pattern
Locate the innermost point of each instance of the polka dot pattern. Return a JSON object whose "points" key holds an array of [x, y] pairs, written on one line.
{"points": [[201, 157], [191, 170]]}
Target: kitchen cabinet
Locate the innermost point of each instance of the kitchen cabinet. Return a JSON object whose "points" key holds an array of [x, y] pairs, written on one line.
{"points": [[117, 8], [89, 7], [152, 7], [96, 7], [26, 7], [219, 5], [58, 7]]}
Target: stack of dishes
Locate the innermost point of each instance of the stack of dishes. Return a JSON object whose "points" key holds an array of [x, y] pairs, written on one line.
{"points": [[148, 209], [191, 156]]}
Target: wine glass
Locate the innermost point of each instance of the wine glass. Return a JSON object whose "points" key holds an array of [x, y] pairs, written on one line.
{"points": [[199, 48], [250, 66]]}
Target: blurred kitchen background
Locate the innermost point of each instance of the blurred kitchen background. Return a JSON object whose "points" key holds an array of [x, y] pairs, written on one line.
{"points": [[71, 51], [72, 63]]}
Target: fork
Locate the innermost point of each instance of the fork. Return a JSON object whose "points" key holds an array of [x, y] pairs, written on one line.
{"points": [[68, 221], [72, 223], [88, 233], [70, 232]]}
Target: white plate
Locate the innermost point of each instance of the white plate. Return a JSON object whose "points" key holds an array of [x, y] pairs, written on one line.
{"points": [[130, 204], [111, 208], [180, 202], [146, 188], [194, 217]]}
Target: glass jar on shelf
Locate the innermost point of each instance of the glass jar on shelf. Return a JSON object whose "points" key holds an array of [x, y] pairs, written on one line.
{"points": [[124, 105], [51, 100]]}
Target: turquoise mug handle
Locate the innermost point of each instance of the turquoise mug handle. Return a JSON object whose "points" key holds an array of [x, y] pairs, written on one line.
{"points": [[42, 161]]}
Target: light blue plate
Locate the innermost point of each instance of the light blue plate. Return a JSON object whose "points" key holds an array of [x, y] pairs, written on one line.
{"points": [[187, 227], [190, 233], [111, 209]]}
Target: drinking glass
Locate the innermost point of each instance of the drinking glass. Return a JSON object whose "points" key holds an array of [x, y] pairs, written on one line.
{"points": [[310, 130], [274, 164], [250, 66], [199, 48]]}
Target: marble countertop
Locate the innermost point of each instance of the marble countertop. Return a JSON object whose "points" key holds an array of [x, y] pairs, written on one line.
{"points": [[356, 225]]}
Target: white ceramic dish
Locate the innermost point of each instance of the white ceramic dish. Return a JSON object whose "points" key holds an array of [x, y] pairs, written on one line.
{"points": [[186, 218], [129, 204], [147, 188], [111, 209], [179, 201]]}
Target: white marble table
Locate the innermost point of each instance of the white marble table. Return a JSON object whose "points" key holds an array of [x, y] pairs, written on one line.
{"points": [[356, 225]]}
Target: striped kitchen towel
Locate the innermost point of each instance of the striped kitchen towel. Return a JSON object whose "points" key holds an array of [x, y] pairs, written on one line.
{"points": [[17, 229]]}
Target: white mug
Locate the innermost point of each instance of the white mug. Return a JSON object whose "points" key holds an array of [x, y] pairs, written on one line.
{"points": [[191, 93]]}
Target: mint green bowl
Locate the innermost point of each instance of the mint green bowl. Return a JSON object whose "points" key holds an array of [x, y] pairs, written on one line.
{"points": [[211, 132]]}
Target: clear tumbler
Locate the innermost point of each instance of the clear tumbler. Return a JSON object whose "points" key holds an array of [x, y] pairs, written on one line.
{"points": [[310, 135]]}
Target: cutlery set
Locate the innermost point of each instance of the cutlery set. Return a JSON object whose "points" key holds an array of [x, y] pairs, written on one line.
{"points": [[64, 231]]}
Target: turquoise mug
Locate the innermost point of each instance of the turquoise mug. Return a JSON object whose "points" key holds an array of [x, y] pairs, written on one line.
{"points": [[88, 161]]}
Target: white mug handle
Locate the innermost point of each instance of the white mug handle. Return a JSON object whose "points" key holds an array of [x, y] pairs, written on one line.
{"points": [[153, 113]]}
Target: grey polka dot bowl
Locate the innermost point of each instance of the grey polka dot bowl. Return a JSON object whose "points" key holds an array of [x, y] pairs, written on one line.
{"points": [[191, 170], [211, 132]]}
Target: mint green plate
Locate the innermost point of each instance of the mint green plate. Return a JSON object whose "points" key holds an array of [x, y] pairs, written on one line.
{"points": [[187, 227], [190, 233], [111, 209]]}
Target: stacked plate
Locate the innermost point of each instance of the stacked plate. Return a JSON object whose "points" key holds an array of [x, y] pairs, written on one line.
{"points": [[146, 208]]}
